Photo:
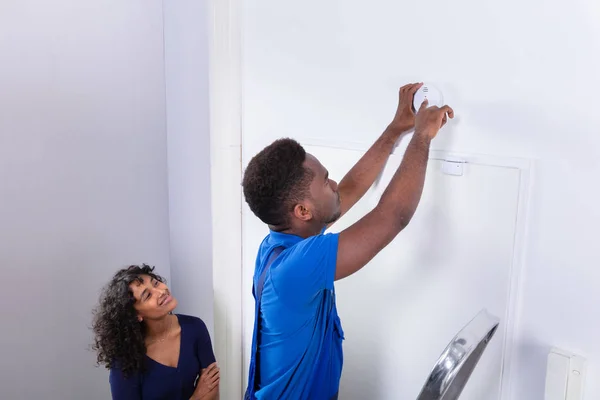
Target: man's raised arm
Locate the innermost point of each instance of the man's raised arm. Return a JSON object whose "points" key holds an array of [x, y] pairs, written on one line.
{"points": [[359, 243], [359, 179]]}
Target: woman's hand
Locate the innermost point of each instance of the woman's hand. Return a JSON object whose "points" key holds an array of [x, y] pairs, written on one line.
{"points": [[208, 384]]}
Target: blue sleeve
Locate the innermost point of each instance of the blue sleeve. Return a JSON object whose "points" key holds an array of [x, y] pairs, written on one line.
{"points": [[123, 388], [307, 269], [204, 347]]}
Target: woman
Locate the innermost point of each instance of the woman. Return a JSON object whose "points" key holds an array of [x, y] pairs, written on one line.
{"points": [[152, 354]]}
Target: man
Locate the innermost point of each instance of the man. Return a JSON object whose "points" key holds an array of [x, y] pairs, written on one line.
{"points": [[297, 344]]}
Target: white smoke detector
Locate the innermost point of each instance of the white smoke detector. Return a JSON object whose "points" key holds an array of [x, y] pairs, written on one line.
{"points": [[429, 92]]}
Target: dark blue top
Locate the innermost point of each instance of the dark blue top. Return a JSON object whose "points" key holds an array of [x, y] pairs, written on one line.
{"points": [[160, 382], [300, 349]]}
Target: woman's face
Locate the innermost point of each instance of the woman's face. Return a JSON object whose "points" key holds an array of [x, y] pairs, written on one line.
{"points": [[153, 299]]}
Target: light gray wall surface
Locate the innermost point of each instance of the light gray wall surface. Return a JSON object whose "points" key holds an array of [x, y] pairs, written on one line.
{"points": [[186, 59], [83, 179]]}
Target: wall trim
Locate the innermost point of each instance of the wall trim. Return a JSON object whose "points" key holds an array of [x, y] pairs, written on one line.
{"points": [[226, 191]]}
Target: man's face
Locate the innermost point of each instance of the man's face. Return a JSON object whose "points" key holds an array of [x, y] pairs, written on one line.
{"points": [[325, 198]]}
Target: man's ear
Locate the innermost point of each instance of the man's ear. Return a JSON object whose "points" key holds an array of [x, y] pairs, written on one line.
{"points": [[302, 212]]}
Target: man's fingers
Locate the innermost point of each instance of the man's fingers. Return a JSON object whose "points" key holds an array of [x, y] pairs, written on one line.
{"points": [[413, 89], [424, 105], [448, 110], [410, 89]]}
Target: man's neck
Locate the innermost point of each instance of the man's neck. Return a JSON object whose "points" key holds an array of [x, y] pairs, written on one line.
{"points": [[304, 232]]}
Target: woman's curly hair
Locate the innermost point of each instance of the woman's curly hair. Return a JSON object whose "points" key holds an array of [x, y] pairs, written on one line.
{"points": [[119, 336]]}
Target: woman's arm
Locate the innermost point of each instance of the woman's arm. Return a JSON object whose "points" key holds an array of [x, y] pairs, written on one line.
{"points": [[209, 371], [208, 385], [123, 388]]}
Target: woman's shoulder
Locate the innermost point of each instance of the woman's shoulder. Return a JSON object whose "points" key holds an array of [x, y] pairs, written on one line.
{"points": [[189, 321]]}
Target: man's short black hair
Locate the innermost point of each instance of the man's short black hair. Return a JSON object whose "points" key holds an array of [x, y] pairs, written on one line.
{"points": [[275, 180]]}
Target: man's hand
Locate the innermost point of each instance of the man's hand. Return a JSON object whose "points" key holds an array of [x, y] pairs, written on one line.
{"points": [[359, 243], [208, 383], [429, 120], [404, 119], [360, 178]]}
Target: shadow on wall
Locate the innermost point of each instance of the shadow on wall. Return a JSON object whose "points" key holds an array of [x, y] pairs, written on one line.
{"points": [[367, 383], [535, 354]]}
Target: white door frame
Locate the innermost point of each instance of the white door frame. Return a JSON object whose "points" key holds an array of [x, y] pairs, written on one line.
{"points": [[226, 173]]}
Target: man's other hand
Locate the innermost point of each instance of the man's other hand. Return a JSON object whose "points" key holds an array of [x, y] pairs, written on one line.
{"points": [[429, 120], [404, 119]]}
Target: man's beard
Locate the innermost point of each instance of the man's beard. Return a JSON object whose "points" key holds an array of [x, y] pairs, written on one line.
{"points": [[334, 217]]}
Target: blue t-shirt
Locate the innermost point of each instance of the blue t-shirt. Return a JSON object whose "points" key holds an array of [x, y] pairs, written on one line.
{"points": [[300, 351], [161, 382]]}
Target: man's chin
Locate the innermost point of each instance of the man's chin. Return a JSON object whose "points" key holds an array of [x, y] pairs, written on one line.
{"points": [[334, 218]]}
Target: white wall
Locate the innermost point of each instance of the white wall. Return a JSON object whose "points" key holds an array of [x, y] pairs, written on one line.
{"points": [[432, 279], [186, 64], [83, 179], [523, 78]]}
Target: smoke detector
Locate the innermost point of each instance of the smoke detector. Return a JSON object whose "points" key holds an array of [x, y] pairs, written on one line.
{"points": [[429, 92]]}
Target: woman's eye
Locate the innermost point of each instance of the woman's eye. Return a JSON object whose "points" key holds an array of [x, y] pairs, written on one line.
{"points": [[155, 283]]}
